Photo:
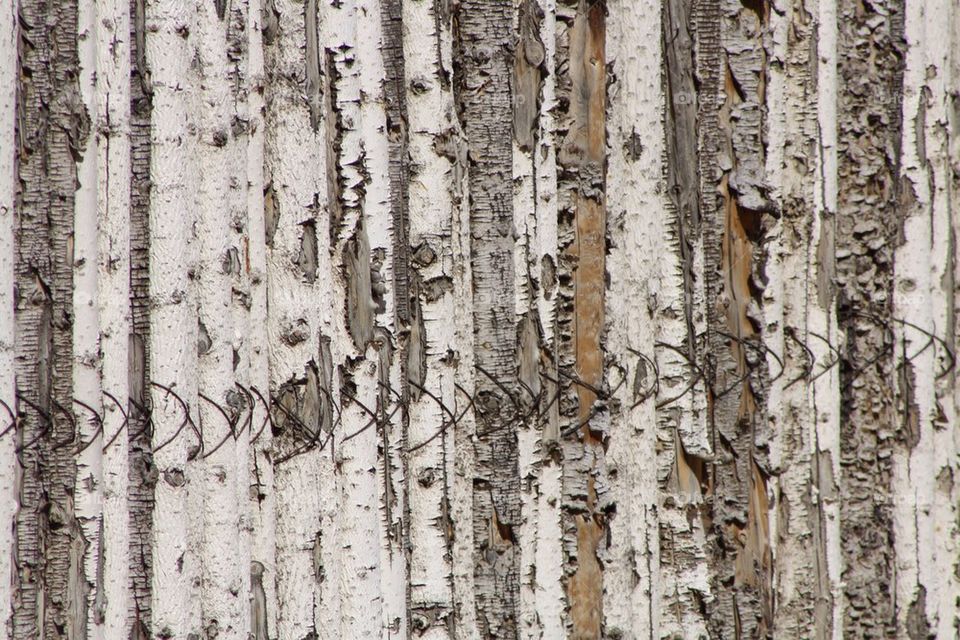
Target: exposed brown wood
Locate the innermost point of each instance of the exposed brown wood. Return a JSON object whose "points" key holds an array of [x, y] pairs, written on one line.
{"points": [[527, 75], [582, 157], [456, 429], [736, 214]]}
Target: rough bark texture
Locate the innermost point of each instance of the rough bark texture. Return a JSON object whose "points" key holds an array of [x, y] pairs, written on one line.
{"points": [[484, 62], [803, 450], [869, 226], [9, 76], [736, 222], [581, 161], [143, 474], [52, 125], [677, 357], [535, 319]]}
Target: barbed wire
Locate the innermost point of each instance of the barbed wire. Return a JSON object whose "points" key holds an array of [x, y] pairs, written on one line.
{"points": [[524, 405]]}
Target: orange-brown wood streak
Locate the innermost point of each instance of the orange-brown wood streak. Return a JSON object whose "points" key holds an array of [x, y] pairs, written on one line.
{"points": [[585, 589]]}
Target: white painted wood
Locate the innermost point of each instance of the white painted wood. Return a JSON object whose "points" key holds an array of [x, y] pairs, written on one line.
{"points": [[549, 596], [173, 319], [440, 466], [112, 602], [243, 344], [271, 160], [429, 462], [86, 339], [803, 494], [460, 466], [295, 157], [950, 390], [924, 495], [825, 390], [781, 105], [681, 416], [221, 209], [351, 32], [951, 277], [259, 488], [777, 106], [385, 447], [635, 216]]}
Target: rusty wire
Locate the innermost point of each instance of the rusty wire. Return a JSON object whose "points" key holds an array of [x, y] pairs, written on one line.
{"points": [[525, 407]]}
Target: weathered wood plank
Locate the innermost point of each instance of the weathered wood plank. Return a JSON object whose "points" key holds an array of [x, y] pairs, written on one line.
{"points": [[9, 40], [52, 132], [869, 221], [483, 56]]}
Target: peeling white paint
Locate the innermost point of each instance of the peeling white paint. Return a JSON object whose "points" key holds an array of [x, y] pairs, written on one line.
{"points": [[173, 319], [549, 597], [86, 338], [259, 488], [432, 217], [681, 413], [824, 392], [257, 144], [925, 500], [526, 269], [460, 467], [351, 33], [112, 126], [296, 174], [633, 597], [803, 525], [221, 208]]}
